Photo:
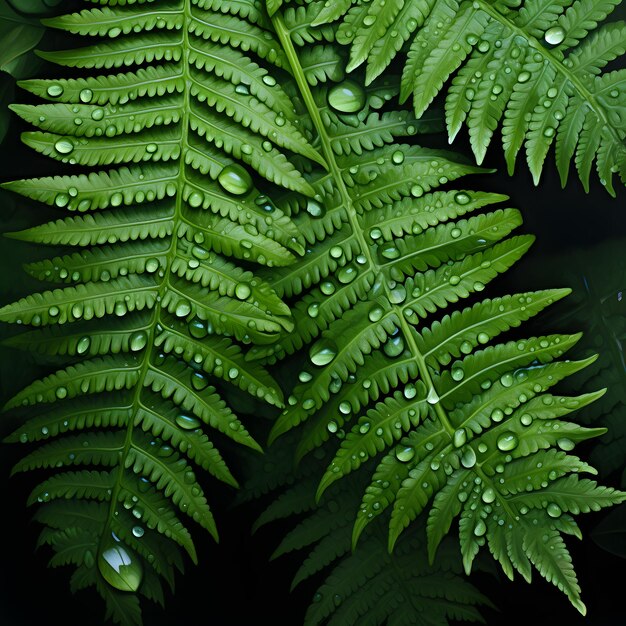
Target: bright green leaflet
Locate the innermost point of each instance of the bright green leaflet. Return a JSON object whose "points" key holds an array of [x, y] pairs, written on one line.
{"points": [[368, 586], [450, 414], [152, 307], [533, 67]]}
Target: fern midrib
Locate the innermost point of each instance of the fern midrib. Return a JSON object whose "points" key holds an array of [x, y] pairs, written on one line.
{"points": [[357, 231], [170, 256], [560, 68]]}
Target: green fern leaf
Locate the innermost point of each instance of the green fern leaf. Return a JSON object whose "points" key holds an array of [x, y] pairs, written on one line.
{"points": [[535, 69], [184, 130], [446, 410]]}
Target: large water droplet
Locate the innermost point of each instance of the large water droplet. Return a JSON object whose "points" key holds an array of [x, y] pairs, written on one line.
{"points": [[315, 209], [468, 457], [347, 97], [489, 495], [404, 453], [85, 95], [565, 444], [54, 91], [138, 340], [199, 381], [63, 146], [554, 36], [507, 441], [459, 438], [554, 510], [183, 308], [242, 291], [322, 352], [235, 179], [394, 346], [186, 422], [480, 529], [119, 567], [375, 313], [83, 345]]}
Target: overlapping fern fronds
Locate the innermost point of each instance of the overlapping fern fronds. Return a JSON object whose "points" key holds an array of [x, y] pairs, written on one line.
{"points": [[535, 68], [369, 586], [175, 128], [399, 371]]}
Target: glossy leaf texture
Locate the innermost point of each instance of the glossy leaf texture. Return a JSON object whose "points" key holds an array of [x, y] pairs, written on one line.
{"points": [[180, 120], [541, 70], [369, 585], [453, 402]]}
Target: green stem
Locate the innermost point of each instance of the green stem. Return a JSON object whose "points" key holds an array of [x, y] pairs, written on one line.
{"points": [[335, 171]]}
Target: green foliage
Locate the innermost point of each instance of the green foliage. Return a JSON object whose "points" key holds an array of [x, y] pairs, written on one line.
{"points": [[369, 586], [181, 140], [535, 68], [451, 415]]}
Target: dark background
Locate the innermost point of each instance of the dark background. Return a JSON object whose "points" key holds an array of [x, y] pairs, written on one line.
{"points": [[234, 585]]}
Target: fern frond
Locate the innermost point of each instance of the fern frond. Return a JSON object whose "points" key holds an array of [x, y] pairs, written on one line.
{"points": [[535, 69], [369, 585], [185, 131], [399, 371]]}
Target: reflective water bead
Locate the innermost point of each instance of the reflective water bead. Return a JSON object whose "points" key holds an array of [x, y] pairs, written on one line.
{"points": [[554, 510], [468, 457], [64, 146], [197, 328], [394, 346], [347, 97], [375, 313], [304, 377], [138, 340], [397, 295], [235, 180], [183, 308], [433, 396], [199, 381], [397, 157], [388, 251], [83, 345], [526, 419], [61, 393], [119, 567], [404, 453], [332, 426], [347, 274], [555, 35], [314, 209], [54, 91], [187, 422], [242, 291], [565, 444], [457, 373], [489, 495], [322, 352], [480, 529], [85, 95], [461, 198], [483, 338], [459, 438], [313, 310], [507, 441]]}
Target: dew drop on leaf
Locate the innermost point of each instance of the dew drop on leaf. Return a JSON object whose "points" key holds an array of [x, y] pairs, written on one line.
{"points": [[554, 36], [120, 567], [187, 422], [404, 453], [235, 180], [507, 441], [138, 340], [346, 97], [85, 95], [322, 352]]}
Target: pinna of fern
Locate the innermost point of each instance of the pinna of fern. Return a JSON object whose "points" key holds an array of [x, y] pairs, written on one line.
{"points": [[536, 68], [449, 413], [369, 586], [181, 114]]}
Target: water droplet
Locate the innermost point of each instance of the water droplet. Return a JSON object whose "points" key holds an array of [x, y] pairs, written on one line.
{"points": [[85, 95], [526, 419], [187, 422], [54, 91], [322, 352], [138, 532], [459, 438], [388, 251], [346, 97], [461, 198], [332, 426], [242, 291], [433, 396], [484, 46], [417, 191], [61, 392], [327, 288], [138, 340], [83, 345], [554, 36], [489, 495], [457, 373], [315, 209], [554, 510], [468, 457], [404, 453], [507, 441], [480, 529], [347, 274], [394, 346], [483, 338], [199, 381], [183, 308], [313, 310], [375, 313], [455, 233], [507, 380], [119, 567], [397, 157], [397, 295], [235, 180], [64, 146]]}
